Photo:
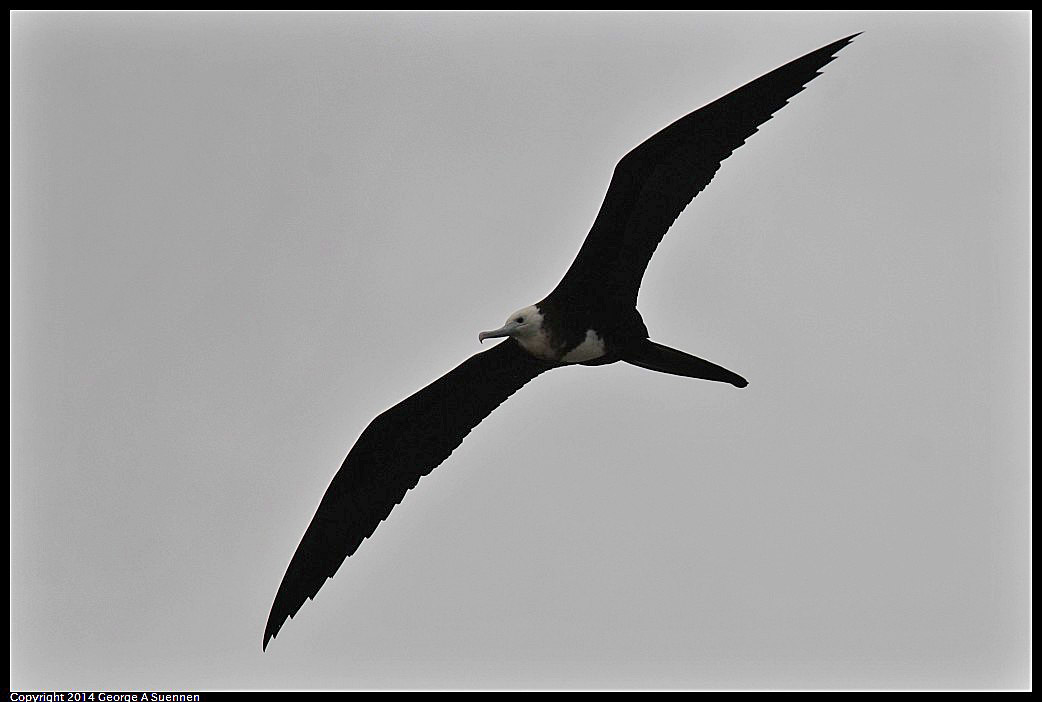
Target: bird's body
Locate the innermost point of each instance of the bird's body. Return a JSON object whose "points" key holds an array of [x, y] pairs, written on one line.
{"points": [[590, 318], [551, 333]]}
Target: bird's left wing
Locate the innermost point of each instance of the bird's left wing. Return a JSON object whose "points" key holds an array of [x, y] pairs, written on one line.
{"points": [[397, 448], [654, 182]]}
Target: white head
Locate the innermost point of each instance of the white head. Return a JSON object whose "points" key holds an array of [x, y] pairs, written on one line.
{"points": [[523, 325]]}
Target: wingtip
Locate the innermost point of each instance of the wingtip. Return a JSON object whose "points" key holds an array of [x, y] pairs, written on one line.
{"points": [[846, 40], [835, 47], [830, 51], [271, 631]]}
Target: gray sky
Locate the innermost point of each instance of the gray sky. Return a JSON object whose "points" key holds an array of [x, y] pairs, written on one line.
{"points": [[237, 238]]}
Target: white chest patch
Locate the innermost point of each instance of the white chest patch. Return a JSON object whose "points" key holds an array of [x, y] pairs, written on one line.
{"points": [[591, 347], [538, 345]]}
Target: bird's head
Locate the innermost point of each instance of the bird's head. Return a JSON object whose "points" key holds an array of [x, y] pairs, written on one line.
{"points": [[524, 324]]}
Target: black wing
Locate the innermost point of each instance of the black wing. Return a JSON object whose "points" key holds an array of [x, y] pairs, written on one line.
{"points": [[654, 182], [397, 448]]}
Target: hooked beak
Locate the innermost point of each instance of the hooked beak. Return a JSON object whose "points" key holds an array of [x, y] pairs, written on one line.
{"points": [[506, 330]]}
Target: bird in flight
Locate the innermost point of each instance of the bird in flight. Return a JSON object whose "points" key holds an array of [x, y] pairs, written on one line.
{"points": [[590, 318]]}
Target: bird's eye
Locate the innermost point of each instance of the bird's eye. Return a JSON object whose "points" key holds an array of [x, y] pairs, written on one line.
{"points": [[519, 320]]}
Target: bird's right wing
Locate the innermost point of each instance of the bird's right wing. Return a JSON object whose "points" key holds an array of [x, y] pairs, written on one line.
{"points": [[397, 448], [654, 182]]}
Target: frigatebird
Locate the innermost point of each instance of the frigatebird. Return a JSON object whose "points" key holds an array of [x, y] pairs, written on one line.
{"points": [[590, 318]]}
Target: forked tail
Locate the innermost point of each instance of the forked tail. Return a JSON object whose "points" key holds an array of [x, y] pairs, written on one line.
{"points": [[661, 358]]}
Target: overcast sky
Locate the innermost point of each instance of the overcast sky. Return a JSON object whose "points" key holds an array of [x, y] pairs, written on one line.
{"points": [[237, 238]]}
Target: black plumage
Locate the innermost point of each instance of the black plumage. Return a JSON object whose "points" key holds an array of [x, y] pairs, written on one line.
{"points": [[380, 469], [654, 182], [650, 187]]}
